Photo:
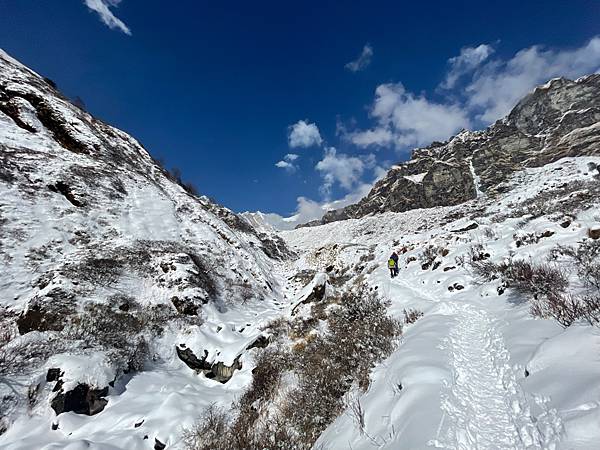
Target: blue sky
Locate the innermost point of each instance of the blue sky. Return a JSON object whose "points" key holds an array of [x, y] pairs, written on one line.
{"points": [[225, 90]]}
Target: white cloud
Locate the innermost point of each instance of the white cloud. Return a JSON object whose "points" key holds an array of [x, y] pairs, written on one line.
{"points": [[342, 169], [308, 210], [404, 119], [363, 60], [478, 90], [287, 162], [468, 60], [497, 87], [304, 134], [102, 7], [380, 136]]}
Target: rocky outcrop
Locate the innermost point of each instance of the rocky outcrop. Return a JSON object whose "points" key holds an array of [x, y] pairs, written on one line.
{"points": [[82, 399], [218, 371], [558, 119]]}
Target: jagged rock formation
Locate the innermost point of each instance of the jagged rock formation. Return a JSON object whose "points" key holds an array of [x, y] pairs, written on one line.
{"points": [[558, 119]]}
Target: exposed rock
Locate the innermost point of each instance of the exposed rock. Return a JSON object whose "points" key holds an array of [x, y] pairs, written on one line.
{"points": [[64, 189], [53, 375], [561, 118], [48, 314], [594, 232], [469, 227], [221, 372], [159, 445], [185, 306], [81, 400], [565, 223], [218, 371], [192, 361], [260, 342]]}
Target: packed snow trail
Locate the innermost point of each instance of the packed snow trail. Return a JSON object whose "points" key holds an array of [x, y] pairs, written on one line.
{"points": [[484, 406]]}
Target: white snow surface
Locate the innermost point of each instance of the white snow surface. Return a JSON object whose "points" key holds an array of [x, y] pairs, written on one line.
{"points": [[417, 178], [457, 379]]}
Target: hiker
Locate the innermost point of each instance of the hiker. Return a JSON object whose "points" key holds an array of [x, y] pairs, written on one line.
{"points": [[395, 258], [393, 266]]}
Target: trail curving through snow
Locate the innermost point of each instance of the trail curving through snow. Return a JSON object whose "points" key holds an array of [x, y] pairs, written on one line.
{"points": [[484, 407]]}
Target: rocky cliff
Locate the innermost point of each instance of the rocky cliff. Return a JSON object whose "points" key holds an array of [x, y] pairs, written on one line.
{"points": [[558, 119]]}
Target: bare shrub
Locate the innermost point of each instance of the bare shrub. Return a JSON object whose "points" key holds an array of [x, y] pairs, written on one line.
{"points": [[564, 308], [211, 431], [412, 315], [567, 199], [587, 261], [523, 276], [429, 256], [356, 412], [18, 353], [325, 367], [360, 334], [490, 234], [126, 349], [591, 309], [22, 353]]}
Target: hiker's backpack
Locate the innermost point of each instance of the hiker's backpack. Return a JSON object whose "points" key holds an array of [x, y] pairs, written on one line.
{"points": [[391, 263]]}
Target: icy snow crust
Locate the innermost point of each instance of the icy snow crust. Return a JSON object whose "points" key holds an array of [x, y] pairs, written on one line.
{"points": [[457, 380]]}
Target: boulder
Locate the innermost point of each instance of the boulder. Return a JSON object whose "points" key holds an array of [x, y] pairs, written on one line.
{"points": [[83, 399], [218, 371]]}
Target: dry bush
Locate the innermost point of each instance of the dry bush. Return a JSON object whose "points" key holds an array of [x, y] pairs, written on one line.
{"points": [[490, 234], [587, 261], [359, 335], [529, 279], [128, 348], [566, 309], [19, 353], [211, 431], [412, 315], [591, 309], [567, 199], [429, 255]]}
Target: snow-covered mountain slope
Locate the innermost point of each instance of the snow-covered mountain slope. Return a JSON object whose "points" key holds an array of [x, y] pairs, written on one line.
{"points": [[477, 370], [110, 267], [270, 222], [558, 119], [135, 315]]}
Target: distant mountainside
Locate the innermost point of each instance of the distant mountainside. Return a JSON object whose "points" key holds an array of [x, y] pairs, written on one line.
{"points": [[558, 119]]}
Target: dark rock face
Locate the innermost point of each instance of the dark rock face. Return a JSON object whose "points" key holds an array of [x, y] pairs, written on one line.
{"points": [[259, 342], [47, 314], [191, 360], [81, 400], [64, 189], [559, 119], [217, 371]]}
